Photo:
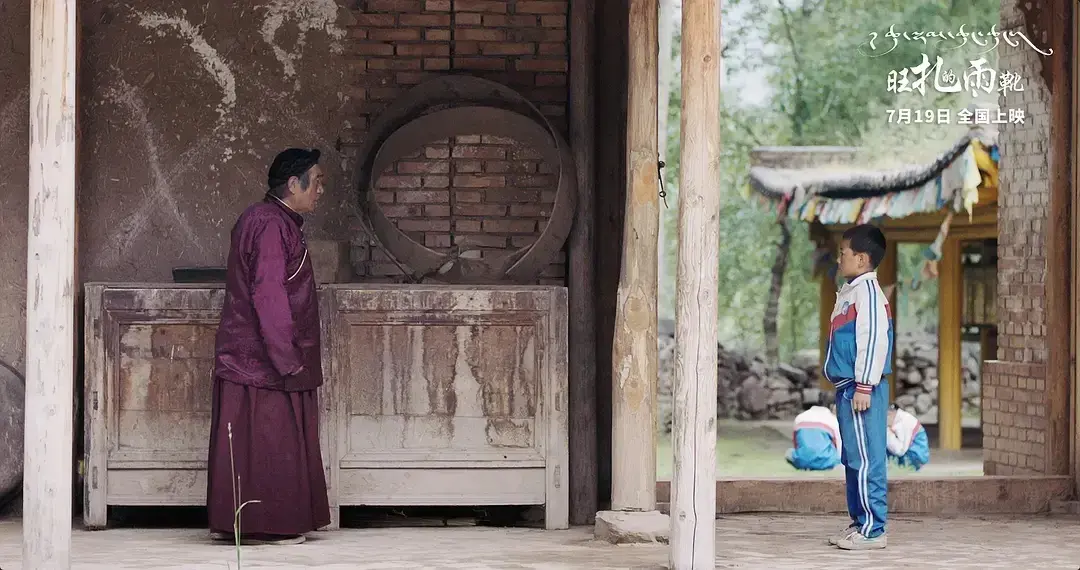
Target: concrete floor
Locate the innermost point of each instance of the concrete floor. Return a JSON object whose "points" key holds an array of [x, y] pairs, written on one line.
{"points": [[773, 542]]}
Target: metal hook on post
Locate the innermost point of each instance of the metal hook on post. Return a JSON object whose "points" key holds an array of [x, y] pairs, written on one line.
{"points": [[660, 174]]}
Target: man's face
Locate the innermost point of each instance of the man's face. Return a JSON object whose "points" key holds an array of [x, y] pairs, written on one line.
{"points": [[304, 199]]}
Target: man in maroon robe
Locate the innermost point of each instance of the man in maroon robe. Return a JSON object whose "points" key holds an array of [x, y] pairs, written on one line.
{"points": [[264, 433]]}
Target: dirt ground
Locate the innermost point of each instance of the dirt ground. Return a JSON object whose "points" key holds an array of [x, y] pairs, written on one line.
{"points": [[768, 542]]}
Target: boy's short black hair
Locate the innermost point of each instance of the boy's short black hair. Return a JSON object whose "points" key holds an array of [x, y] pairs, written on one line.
{"points": [[868, 239]]}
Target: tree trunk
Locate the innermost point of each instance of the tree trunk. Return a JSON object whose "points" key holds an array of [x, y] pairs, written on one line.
{"points": [[772, 304]]}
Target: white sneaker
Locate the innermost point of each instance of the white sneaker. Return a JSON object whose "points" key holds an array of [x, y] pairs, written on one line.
{"points": [[856, 541], [842, 534]]}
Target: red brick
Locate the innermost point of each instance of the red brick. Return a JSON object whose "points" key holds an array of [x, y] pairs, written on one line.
{"points": [[371, 48], [391, 181], [437, 152], [424, 49], [509, 226], [393, 5], [501, 48], [468, 166], [423, 197], [480, 240], [510, 21], [425, 167], [479, 63], [396, 64], [425, 20], [480, 210], [436, 182], [503, 195], [469, 19], [437, 35], [525, 210], [540, 7], [480, 6], [470, 181], [469, 151], [437, 211], [467, 196], [408, 225], [468, 226], [395, 34], [480, 34]]}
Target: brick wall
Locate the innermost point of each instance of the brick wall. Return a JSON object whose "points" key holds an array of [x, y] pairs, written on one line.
{"points": [[477, 191], [1014, 386]]}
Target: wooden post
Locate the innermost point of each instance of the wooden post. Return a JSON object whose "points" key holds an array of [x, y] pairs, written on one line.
{"points": [[950, 371], [826, 302], [582, 277], [665, 31], [693, 485], [1058, 259], [887, 274], [634, 354], [50, 288]]}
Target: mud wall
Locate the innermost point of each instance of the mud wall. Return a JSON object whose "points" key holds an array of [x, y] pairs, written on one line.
{"points": [[184, 104]]}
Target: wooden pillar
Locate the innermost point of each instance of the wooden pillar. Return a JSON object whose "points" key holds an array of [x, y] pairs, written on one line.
{"points": [[634, 354], [693, 484], [1058, 259], [582, 276], [950, 371], [50, 288], [888, 273], [825, 306]]}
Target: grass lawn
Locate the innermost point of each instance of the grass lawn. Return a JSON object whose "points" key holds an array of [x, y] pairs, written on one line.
{"points": [[756, 449]]}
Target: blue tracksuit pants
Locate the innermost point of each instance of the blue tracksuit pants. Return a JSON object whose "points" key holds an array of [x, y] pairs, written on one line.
{"points": [[864, 457]]}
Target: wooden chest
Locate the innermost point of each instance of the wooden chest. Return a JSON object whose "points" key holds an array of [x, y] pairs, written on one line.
{"points": [[433, 395]]}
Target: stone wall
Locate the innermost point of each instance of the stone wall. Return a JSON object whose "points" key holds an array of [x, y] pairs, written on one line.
{"points": [[1014, 394], [750, 389]]}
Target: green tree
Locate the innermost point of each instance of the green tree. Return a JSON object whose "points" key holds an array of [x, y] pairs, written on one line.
{"points": [[827, 90]]}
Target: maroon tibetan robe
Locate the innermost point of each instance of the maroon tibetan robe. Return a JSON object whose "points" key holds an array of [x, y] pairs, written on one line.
{"points": [[266, 371]]}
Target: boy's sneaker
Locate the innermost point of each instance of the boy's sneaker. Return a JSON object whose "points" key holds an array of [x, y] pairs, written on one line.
{"points": [[856, 541], [842, 535]]}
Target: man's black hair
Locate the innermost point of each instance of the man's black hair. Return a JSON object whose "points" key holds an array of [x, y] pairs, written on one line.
{"points": [[867, 239], [288, 163]]}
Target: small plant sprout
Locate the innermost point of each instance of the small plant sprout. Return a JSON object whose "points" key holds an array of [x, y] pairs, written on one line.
{"points": [[238, 504]]}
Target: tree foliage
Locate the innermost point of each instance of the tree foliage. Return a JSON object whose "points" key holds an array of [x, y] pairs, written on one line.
{"points": [[828, 88]]}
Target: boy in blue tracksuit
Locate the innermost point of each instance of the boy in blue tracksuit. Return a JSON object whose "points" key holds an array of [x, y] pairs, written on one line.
{"points": [[859, 355]]}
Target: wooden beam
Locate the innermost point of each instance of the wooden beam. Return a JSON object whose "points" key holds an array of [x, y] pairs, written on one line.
{"points": [[693, 484], [1074, 243], [888, 273], [634, 354], [582, 279], [50, 288], [950, 372], [826, 302], [1058, 262]]}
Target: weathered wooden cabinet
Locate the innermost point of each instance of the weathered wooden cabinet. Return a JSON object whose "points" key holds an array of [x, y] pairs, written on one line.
{"points": [[434, 395]]}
